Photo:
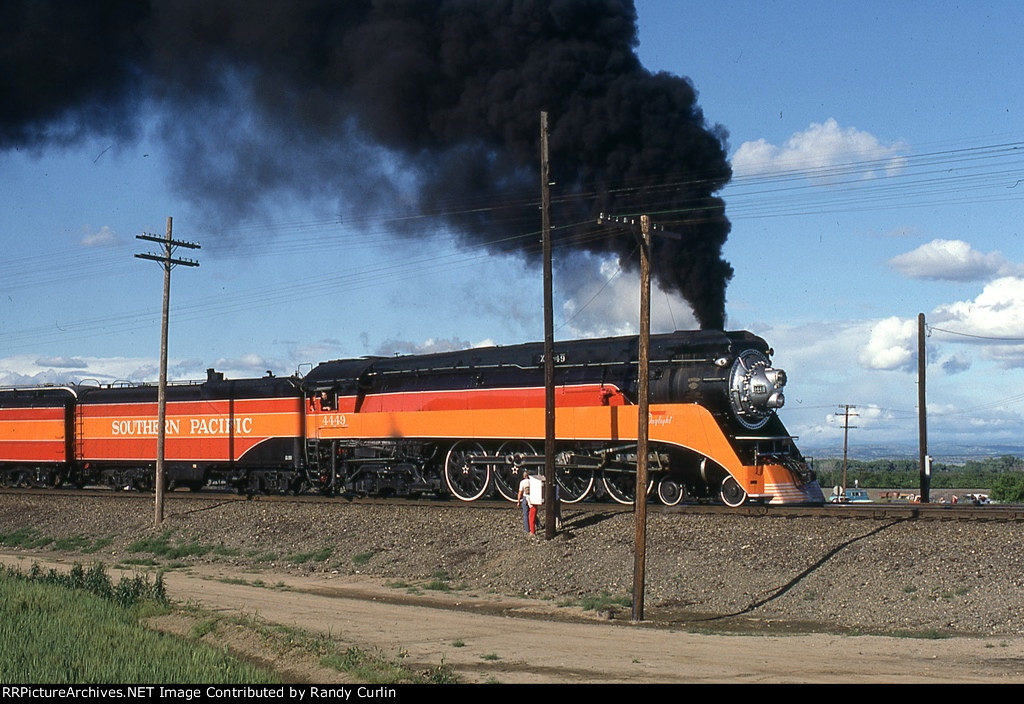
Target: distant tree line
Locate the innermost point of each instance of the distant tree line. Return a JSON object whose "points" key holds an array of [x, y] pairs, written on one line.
{"points": [[1002, 477]]}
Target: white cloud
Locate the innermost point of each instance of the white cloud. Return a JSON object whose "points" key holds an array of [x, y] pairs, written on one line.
{"points": [[24, 370], [955, 363], [998, 311], [61, 362], [952, 260], [862, 417], [429, 346], [993, 323], [823, 352], [892, 344], [872, 365], [821, 150], [30, 370], [97, 238], [242, 367]]}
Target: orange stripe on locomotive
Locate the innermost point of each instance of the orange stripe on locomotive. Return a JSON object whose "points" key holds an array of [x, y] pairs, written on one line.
{"points": [[688, 426], [482, 399], [34, 435], [204, 431]]}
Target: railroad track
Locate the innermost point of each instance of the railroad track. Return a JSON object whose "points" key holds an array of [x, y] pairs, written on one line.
{"points": [[931, 512], [876, 511]]}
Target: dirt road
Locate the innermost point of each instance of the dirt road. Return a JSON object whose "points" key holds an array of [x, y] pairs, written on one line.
{"points": [[489, 638]]}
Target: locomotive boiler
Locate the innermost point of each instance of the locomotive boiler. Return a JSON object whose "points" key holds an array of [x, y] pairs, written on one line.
{"points": [[475, 418], [461, 423]]}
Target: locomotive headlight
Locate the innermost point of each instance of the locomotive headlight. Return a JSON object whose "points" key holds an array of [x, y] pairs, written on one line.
{"points": [[755, 388], [775, 377]]}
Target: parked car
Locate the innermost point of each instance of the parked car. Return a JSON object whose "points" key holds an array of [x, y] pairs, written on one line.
{"points": [[849, 496]]}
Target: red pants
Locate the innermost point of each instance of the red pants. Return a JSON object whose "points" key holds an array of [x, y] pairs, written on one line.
{"points": [[533, 518]]}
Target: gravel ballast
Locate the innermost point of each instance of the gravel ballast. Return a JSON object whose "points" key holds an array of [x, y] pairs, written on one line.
{"points": [[868, 575]]}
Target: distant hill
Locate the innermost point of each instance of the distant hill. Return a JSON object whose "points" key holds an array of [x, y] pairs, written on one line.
{"points": [[948, 453]]}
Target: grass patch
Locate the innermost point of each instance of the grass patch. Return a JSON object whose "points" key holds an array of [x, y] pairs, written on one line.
{"points": [[603, 601], [79, 543], [370, 666], [491, 657], [242, 582], [314, 556], [442, 674], [361, 558], [161, 546], [930, 634], [439, 583], [24, 538], [126, 593], [204, 627], [82, 628], [234, 580]]}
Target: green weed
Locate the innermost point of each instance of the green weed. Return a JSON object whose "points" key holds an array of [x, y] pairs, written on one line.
{"points": [[313, 556], [360, 559], [24, 538], [161, 546], [374, 668], [603, 601], [79, 543]]}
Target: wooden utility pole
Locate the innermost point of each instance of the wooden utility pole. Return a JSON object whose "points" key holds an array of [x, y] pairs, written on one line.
{"points": [[643, 421], [643, 401], [550, 494], [168, 262], [922, 414], [845, 413]]}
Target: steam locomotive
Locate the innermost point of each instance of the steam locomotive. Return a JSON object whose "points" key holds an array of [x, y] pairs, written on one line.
{"points": [[462, 423]]}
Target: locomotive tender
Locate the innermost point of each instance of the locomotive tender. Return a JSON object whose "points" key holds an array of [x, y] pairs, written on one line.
{"points": [[464, 423]]}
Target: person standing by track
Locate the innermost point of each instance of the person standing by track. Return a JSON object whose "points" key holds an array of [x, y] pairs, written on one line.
{"points": [[529, 510]]}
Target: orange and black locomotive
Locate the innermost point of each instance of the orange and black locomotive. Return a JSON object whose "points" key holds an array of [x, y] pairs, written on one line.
{"points": [[461, 423]]}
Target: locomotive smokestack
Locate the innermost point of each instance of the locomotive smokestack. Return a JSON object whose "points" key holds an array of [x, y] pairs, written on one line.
{"points": [[268, 98]]}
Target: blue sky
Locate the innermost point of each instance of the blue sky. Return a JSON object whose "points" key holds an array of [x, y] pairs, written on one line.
{"points": [[878, 160]]}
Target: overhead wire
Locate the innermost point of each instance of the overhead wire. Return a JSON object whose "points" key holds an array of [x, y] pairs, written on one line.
{"points": [[972, 173], [976, 337]]}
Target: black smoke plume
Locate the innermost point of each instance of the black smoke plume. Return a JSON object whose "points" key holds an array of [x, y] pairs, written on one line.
{"points": [[427, 106]]}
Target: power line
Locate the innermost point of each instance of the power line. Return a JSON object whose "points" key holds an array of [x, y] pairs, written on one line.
{"points": [[977, 337], [926, 178]]}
